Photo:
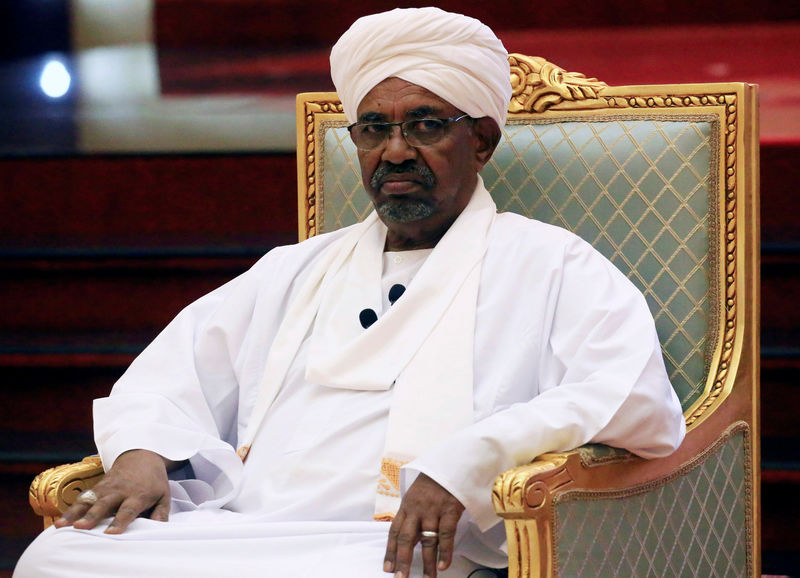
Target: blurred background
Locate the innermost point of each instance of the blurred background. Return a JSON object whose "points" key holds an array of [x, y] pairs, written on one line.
{"points": [[147, 155]]}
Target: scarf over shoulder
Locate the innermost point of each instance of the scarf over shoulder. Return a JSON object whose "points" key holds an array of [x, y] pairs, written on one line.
{"points": [[422, 346]]}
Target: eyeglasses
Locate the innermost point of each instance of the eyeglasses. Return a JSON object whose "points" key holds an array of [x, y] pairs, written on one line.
{"points": [[418, 133]]}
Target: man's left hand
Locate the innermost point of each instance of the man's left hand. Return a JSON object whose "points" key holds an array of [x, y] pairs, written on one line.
{"points": [[428, 507]]}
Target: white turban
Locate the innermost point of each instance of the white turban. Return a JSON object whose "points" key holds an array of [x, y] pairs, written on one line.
{"points": [[456, 57]]}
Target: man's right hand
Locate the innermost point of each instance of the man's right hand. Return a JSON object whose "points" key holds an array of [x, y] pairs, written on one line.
{"points": [[136, 483]]}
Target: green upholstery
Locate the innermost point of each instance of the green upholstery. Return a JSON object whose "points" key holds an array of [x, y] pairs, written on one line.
{"points": [[638, 190], [693, 524]]}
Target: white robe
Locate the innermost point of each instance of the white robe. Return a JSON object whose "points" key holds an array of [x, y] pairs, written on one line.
{"points": [[565, 353]]}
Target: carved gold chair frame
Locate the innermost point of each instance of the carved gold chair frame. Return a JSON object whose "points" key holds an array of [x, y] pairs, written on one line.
{"points": [[534, 499]]}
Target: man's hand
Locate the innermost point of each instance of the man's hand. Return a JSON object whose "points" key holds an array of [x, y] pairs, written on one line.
{"points": [[427, 506], [135, 483]]}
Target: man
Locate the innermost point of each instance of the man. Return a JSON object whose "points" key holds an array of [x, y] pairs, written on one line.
{"points": [[349, 400]]}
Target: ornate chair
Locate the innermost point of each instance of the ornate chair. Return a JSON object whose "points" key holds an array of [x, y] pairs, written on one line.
{"points": [[664, 181]]}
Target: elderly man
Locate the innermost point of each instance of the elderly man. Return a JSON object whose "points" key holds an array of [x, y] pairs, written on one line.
{"points": [[342, 408]]}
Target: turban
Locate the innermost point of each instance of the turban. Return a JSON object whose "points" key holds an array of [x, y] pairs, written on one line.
{"points": [[456, 57]]}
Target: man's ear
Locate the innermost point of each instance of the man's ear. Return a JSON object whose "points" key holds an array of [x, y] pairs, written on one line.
{"points": [[487, 135]]}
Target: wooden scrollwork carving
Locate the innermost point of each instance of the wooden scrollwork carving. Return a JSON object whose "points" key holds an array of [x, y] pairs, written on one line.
{"points": [[526, 487], [537, 84], [56, 489]]}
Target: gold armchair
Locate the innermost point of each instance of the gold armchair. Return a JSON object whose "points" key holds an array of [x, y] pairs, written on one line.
{"points": [[664, 181]]}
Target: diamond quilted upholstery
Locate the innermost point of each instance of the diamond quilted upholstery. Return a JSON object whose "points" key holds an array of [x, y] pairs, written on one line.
{"points": [[343, 201], [693, 525], [638, 190]]}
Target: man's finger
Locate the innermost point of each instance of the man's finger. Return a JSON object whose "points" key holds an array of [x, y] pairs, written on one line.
{"points": [[78, 510], [391, 543], [74, 512], [161, 512], [430, 545], [104, 507], [127, 512], [447, 537], [406, 540]]}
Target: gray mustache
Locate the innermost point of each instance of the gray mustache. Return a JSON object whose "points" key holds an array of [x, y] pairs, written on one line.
{"points": [[386, 169]]}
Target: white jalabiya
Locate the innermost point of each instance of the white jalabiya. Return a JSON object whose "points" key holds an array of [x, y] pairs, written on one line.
{"points": [[454, 56], [299, 479], [423, 346], [565, 352]]}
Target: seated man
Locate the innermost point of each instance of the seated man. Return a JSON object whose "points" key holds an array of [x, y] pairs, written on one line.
{"points": [[343, 408]]}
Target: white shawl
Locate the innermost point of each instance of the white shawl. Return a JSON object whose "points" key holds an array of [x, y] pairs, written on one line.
{"points": [[423, 345]]}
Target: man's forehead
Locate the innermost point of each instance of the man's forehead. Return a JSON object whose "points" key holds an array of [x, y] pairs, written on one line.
{"points": [[395, 96]]}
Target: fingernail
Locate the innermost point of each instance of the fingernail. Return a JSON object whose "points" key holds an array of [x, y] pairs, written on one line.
{"points": [[441, 565], [388, 566], [399, 574]]}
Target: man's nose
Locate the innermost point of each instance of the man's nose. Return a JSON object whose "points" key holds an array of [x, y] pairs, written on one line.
{"points": [[396, 149]]}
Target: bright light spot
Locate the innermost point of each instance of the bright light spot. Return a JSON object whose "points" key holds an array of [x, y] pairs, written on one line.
{"points": [[55, 79]]}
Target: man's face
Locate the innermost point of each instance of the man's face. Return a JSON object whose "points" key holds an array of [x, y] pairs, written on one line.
{"points": [[418, 192]]}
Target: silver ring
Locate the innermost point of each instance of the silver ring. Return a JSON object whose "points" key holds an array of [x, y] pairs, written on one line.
{"points": [[430, 534], [88, 497]]}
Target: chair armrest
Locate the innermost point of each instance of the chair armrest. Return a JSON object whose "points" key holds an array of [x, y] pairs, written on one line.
{"points": [[708, 473], [520, 496], [523, 497], [56, 489], [521, 489], [520, 492]]}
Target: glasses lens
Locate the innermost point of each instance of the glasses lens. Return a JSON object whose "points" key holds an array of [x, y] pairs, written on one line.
{"points": [[422, 132], [426, 131], [369, 136]]}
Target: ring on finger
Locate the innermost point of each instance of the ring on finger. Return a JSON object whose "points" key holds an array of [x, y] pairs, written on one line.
{"points": [[88, 497], [429, 534]]}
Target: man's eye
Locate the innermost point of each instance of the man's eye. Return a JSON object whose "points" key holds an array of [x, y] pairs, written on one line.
{"points": [[373, 128], [426, 125]]}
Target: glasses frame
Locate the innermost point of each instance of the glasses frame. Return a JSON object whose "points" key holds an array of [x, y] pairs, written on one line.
{"points": [[404, 131]]}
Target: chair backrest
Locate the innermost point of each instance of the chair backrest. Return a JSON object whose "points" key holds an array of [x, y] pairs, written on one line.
{"points": [[660, 179]]}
